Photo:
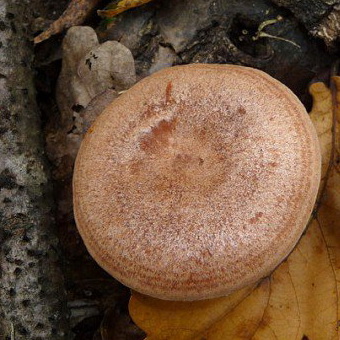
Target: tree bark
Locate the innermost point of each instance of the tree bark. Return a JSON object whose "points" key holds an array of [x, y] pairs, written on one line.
{"points": [[320, 17], [32, 297]]}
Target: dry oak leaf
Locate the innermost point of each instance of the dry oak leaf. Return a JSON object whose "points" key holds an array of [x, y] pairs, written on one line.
{"points": [[300, 299], [118, 6]]}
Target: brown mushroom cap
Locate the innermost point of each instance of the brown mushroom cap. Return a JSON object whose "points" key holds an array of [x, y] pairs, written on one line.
{"points": [[197, 181]]}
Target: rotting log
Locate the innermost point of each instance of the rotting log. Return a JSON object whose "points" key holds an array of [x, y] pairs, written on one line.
{"points": [[32, 296]]}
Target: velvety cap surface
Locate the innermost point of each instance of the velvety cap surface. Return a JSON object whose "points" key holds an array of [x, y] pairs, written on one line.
{"points": [[197, 181]]}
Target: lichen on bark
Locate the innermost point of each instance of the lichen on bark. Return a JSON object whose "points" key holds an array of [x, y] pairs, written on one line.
{"points": [[32, 297]]}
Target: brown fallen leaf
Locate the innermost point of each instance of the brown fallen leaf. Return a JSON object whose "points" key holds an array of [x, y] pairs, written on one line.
{"points": [[300, 300], [322, 118], [119, 6], [180, 320], [75, 14]]}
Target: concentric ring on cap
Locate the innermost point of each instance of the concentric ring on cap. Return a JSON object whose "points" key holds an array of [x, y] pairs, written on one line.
{"points": [[197, 181]]}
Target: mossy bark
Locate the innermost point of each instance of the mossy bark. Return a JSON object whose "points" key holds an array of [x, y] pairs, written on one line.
{"points": [[32, 297]]}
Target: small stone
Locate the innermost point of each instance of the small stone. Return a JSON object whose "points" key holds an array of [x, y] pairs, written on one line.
{"points": [[165, 57]]}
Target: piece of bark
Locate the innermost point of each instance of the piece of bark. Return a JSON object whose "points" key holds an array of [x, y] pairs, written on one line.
{"points": [[320, 17], [32, 296], [329, 27]]}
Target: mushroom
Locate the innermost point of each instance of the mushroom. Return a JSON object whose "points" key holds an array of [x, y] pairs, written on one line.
{"points": [[197, 181]]}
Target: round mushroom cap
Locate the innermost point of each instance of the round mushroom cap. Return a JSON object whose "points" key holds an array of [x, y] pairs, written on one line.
{"points": [[197, 181]]}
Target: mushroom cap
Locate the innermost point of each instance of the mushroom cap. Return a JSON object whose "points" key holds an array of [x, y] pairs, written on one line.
{"points": [[197, 181]]}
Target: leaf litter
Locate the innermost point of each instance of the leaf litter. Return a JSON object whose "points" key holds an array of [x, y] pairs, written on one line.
{"points": [[78, 11]]}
